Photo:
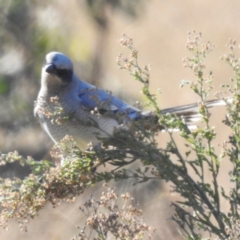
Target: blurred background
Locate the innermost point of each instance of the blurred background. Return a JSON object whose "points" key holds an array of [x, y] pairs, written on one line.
{"points": [[88, 32]]}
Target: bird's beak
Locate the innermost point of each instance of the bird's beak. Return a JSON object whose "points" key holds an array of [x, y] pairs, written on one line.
{"points": [[50, 68]]}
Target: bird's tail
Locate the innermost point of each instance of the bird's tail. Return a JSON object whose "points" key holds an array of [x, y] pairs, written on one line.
{"points": [[189, 112]]}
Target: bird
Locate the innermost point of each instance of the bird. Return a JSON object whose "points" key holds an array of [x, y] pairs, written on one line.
{"points": [[68, 106]]}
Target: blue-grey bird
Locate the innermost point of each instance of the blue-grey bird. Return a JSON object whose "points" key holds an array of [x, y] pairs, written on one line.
{"points": [[66, 105]]}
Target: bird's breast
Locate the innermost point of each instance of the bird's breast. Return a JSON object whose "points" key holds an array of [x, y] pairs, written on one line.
{"points": [[60, 118]]}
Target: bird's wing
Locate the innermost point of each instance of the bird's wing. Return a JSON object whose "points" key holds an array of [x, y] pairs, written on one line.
{"points": [[94, 98]]}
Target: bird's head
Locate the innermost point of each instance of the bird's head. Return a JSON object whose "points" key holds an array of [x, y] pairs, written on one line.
{"points": [[57, 69]]}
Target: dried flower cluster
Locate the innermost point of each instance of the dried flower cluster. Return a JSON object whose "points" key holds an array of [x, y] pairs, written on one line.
{"points": [[233, 231], [114, 215], [22, 199]]}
